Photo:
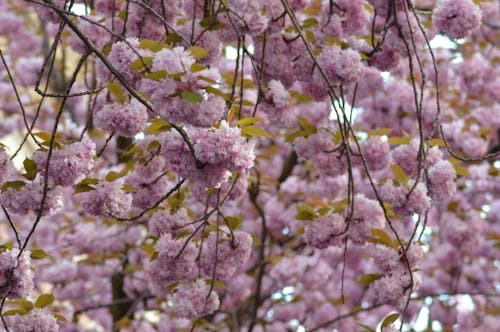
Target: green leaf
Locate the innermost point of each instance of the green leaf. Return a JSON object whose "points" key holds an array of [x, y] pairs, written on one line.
{"points": [[44, 136], [379, 132], [399, 140], [381, 237], [44, 300], [192, 97], [25, 305], [30, 165], [219, 284], [437, 141], [82, 188], [389, 320], [366, 327], [60, 317], [182, 234], [198, 52], [246, 121], [369, 278], [300, 97], [116, 90], [461, 171], [111, 176], [13, 184], [253, 131], [158, 126], [152, 45], [138, 63], [305, 212], [156, 75], [15, 312], [38, 254], [129, 188], [398, 172], [233, 222], [309, 22]]}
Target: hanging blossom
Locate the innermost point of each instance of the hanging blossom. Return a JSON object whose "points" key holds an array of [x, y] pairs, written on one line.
{"points": [[219, 150], [16, 276], [456, 18], [37, 320], [194, 300], [69, 165]]}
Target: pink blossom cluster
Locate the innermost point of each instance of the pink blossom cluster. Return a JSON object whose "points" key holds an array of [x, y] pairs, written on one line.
{"points": [[327, 158], [180, 97], [225, 253], [29, 198], [456, 18], [195, 299], [394, 267], [108, 199], [16, 277], [175, 262], [220, 151], [37, 320], [68, 165], [125, 120]]}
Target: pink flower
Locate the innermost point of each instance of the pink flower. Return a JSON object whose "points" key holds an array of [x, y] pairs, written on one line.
{"points": [[16, 276], [35, 321], [191, 301], [125, 120], [456, 18]]}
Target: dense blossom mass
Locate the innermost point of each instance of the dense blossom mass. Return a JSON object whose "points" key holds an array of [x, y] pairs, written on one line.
{"points": [[265, 165]]}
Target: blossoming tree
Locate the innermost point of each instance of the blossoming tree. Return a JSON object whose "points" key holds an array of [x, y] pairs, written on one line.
{"points": [[232, 165]]}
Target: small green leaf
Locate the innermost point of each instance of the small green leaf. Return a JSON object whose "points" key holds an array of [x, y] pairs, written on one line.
{"points": [[152, 45], [366, 328], [192, 97], [398, 172], [437, 142], [83, 188], [309, 22], [30, 165], [25, 305], [38, 254], [156, 75], [116, 90], [382, 237], [198, 52], [461, 171], [253, 131], [129, 188], [379, 132], [60, 317], [369, 278], [305, 212], [182, 234], [13, 184], [15, 312], [158, 126], [44, 136], [233, 222], [219, 284], [389, 320], [138, 63], [247, 121], [44, 300], [399, 140]]}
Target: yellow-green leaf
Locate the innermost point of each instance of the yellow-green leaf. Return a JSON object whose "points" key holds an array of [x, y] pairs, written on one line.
{"points": [[369, 278], [398, 172], [461, 171], [198, 52], [192, 97], [44, 300], [152, 45], [253, 131], [38, 254], [247, 121], [116, 90], [389, 320]]}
